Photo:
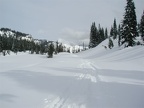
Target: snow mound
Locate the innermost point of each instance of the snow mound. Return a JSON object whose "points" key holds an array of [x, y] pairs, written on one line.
{"points": [[115, 54]]}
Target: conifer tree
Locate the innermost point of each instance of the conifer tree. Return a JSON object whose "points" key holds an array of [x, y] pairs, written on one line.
{"points": [[110, 44], [142, 26], [60, 48], [119, 35], [42, 48], [93, 36], [129, 25], [1, 44], [102, 35], [111, 31], [138, 26], [114, 29], [106, 33], [15, 46], [56, 49], [50, 50]]}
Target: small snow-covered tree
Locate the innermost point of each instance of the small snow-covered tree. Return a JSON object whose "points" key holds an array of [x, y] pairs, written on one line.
{"points": [[110, 44], [56, 48], [50, 50]]}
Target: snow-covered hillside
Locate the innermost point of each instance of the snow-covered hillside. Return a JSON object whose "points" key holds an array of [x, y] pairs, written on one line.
{"points": [[96, 78], [130, 58]]}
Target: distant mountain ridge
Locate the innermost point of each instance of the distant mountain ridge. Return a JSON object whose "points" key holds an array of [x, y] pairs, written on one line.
{"points": [[11, 40], [8, 32]]}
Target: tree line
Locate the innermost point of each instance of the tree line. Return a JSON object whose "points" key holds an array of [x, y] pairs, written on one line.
{"points": [[126, 32], [15, 41]]}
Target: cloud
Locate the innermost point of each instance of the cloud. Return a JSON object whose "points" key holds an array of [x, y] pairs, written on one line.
{"points": [[75, 36], [72, 34]]}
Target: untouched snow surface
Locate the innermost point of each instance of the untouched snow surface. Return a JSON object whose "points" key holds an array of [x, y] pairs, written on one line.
{"points": [[97, 78]]}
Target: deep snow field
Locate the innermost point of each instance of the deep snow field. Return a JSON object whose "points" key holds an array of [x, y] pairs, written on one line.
{"points": [[96, 78]]}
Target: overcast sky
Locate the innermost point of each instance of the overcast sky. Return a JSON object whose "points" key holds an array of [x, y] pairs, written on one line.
{"points": [[55, 19]]}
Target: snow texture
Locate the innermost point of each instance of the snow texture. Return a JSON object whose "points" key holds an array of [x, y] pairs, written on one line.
{"points": [[97, 78]]}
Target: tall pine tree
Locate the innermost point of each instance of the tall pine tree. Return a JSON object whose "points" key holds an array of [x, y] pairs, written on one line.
{"points": [[119, 34], [106, 33], [129, 25], [142, 26], [93, 36], [101, 35], [115, 29], [111, 31]]}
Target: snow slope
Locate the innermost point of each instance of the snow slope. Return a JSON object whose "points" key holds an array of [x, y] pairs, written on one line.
{"points": [[118, 58], [97, 78]]}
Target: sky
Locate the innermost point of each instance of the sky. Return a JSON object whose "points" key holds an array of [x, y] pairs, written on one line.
{"points": [[62, 19]]}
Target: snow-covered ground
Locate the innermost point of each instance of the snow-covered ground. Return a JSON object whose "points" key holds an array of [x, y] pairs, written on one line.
{"points": [[97, 78]]}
